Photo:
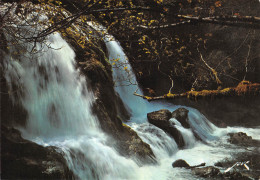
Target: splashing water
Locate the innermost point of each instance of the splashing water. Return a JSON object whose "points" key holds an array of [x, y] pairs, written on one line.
{"points": [[140, 107], [51, 86], [163, 146], [59, 111]]}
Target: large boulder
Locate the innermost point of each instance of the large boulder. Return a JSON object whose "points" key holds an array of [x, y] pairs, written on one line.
{"points": [[161, 120], [181, 115], [180, 163], [241, 138], [23, 159]]}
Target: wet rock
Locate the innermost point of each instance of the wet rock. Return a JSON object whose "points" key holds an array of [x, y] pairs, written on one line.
{"points": [[209, 171], [161, 120], [181, 115], [12, 113], [108, 106], [234, 176], [249, 154], [23, 159], [159, 117], [131, 145], [240, 138], [180, 163], [219, 164], [213, 172]]}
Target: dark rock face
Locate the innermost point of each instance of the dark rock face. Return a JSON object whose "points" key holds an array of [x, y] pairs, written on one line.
{"points": [[181, 115], [240, 138], [11, 112], [209, 171], [180, 163], [213, 172], [23, 159], [234, 176], [240, 172], [161, 120], [243, 139], [218, 164], [131, 145], [108, 106]]}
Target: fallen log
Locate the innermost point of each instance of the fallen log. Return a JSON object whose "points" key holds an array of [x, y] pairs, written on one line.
{"points": [[244, 88]]}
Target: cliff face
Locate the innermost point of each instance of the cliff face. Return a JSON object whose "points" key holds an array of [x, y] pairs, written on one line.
{"points": [[108, 106], [23, 159]]}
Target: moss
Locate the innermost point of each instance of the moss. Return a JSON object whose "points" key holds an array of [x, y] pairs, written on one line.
{"points": [[243, 88], [247, 88], [126, 126], [135, 146], [148, 98], [170, 95]]}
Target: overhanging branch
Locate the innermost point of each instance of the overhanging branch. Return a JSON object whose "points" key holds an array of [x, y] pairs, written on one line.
{"points": [[241, 21]]}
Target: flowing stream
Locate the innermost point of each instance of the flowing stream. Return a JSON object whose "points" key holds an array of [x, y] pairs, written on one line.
{"points": [[166, 151], [58, 103]]}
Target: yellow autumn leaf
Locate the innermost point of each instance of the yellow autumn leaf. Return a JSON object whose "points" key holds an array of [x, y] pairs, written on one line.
{"points": [[218, 3]]}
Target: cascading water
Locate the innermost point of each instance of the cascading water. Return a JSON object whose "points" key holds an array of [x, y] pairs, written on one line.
{"points": [[162, 145], [140, 107], [58, 103], [59, 107], [125, 79], [51, 87]]}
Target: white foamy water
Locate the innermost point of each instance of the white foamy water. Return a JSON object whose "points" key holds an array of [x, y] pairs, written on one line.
{"points": [[58, 103]]}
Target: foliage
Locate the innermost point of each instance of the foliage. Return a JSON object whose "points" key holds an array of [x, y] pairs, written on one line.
{"points": [[165, 37]]}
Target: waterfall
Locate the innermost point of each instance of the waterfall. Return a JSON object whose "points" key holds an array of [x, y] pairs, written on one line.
{"points": [[58, 101], [123, 75], [140, 107], [125, 79], [51, 87], [209, 150]]}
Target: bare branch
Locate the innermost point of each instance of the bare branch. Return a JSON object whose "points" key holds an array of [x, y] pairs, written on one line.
{"points": [[252, 22], [164, 26], [214, 72], [243, 21], [246, 64]]}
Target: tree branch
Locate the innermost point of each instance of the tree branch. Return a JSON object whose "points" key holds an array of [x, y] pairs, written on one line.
{"points": [[164, 26], [242, 21], [244, 88], [214, 72]]}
